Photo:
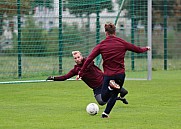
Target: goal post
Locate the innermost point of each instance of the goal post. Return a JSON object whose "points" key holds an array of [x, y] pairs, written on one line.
{"points": [[149, 6]]}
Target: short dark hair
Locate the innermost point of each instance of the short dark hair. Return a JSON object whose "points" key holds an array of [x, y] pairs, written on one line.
{"points": [[110, 28]]}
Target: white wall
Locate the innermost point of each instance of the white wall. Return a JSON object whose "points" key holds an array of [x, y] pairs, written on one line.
{"points": [[47, 16]]}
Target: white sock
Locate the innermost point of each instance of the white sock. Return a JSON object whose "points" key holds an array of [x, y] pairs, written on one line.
{"points": [[110, 88], [105, 114]]}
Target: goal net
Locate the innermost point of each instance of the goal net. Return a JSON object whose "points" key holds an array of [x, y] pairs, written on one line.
{"points": [[37, 37]]}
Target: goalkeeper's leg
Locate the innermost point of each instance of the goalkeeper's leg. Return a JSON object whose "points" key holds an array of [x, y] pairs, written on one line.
{"points": [[99, 100], [97, 95]]}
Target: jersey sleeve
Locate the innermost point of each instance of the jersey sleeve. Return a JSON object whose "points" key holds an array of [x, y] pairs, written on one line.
{"points": [[134, 48], [70, 74], [95, 52]]}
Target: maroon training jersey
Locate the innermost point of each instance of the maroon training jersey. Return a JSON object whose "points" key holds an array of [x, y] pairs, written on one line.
{"points": [[93, 76], [113, 50]]}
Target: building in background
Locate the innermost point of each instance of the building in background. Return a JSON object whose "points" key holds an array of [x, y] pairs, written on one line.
{"points": [[49, 18]]}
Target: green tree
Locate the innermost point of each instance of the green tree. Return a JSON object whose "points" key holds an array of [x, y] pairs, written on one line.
{"points": [[45, 3], [140, 9], [73, 37], [87, 7], [34, 39], [158, 10], [9, 7]]}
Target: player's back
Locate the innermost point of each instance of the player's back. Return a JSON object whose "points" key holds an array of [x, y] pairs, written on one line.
{"points": [[113, 51]]}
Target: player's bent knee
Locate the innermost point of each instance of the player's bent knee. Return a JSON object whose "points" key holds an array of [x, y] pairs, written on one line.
{"points": [[99, 100]]}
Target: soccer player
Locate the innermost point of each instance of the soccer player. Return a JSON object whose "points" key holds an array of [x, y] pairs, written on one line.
{"points": [[113, 50], [93, 78]]}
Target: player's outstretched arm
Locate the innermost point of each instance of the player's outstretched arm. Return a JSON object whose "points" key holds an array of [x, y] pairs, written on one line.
{"points": [[134, 48], [70, 74]]}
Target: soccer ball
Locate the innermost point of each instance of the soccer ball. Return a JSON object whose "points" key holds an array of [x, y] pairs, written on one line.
{"points": [[92, 108]]}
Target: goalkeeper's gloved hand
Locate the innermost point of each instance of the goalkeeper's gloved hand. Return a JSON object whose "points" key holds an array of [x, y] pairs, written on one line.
{"points": [[50, 78]]}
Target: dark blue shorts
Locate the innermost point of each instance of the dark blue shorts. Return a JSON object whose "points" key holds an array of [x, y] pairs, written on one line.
{"points": [[97, 90], [106, 93]]}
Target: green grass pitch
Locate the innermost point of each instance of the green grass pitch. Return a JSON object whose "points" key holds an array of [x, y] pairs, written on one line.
{"points": [[154, 104]]}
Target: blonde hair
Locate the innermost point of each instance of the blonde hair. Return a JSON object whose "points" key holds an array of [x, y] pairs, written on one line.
{"points": [[75, 52]]}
